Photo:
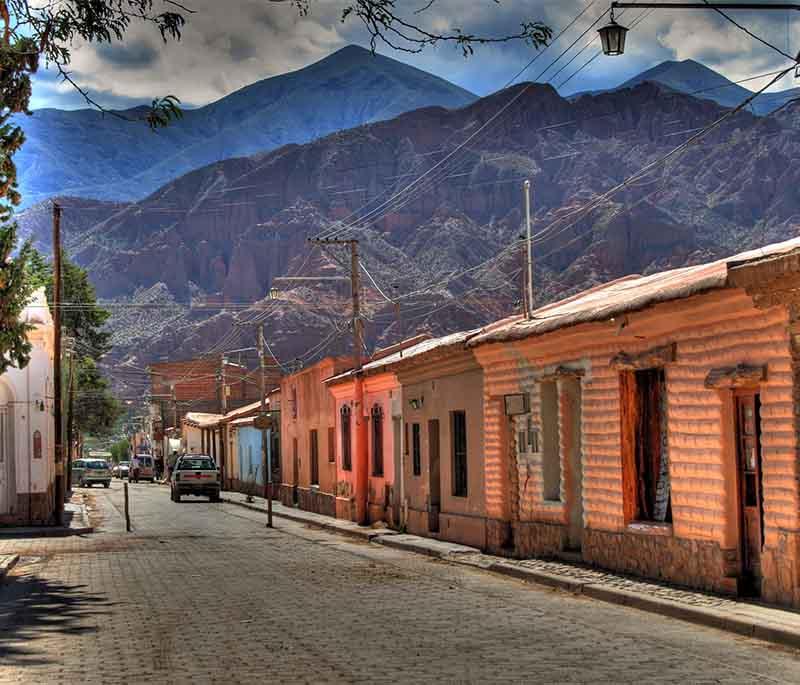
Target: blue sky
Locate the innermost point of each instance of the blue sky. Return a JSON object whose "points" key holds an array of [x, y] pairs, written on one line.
{"points": [[228, 45]]}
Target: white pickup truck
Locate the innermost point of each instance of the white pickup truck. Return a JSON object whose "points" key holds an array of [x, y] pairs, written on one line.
{"points": [[195, 474]]}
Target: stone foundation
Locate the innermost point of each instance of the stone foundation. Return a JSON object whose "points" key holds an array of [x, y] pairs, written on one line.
{"points": [[698, 564], [286, 494], [781, 570], [499, 537], [539, 539], [312, 499], [32, 509], [345, 508]]}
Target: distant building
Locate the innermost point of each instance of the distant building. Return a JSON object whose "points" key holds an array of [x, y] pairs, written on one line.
{"points": [[27, 466]]}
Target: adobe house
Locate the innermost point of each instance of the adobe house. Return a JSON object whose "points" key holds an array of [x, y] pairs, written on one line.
{"points": [[308, 468], [380, 412], [442, 464], [27, 457], [650, 426]]}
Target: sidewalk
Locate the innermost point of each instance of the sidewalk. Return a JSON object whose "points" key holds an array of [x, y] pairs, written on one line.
{"points": [[749, 618], [76, 522]]}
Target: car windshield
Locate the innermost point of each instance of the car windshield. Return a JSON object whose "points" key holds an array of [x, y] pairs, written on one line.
{"points": [[146, 461], [195, 463], [96, 464], [124, 463]]}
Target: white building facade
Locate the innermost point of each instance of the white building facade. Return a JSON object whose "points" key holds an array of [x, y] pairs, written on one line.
{"points": [[27, 465]]}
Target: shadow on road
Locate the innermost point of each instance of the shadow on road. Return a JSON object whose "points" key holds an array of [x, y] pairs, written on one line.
{"points": [[32, 609]]}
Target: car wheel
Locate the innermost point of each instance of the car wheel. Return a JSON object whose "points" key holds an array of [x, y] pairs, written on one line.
{"points": [[178, 497], [107, 484]]}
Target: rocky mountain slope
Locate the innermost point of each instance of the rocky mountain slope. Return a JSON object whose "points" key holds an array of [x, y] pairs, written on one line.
{"points": [[88, 154], [443, 246]]}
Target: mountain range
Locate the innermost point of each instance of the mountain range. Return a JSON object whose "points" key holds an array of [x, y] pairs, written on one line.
{"points": [[440, 247], [696, 79], [90, 154]]}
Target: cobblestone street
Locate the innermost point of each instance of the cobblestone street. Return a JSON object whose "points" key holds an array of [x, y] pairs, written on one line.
{"points": [[204, 592]]}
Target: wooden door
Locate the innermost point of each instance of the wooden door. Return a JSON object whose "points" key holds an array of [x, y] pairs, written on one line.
{"points": [[748, 443], [434, 476]]}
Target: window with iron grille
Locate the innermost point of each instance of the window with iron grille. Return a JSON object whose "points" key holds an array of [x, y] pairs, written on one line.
{"points": [[377, 440], [416, 451], [458, 425], [346, 442], [294, 403], [331, 444], [314, 450]]}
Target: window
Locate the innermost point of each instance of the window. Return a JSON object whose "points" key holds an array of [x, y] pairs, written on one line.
{"points": [[458, 425], [313, 448], [294, 403], [405, 439], [551, 453], [377, 440], [644, 446], [331, 444], [347, 463], [37, 444], [416, 451]]}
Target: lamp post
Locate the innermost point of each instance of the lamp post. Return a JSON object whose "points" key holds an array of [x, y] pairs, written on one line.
{"points": [[612, 35]]}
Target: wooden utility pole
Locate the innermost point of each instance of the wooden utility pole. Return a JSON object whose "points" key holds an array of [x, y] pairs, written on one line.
{"points": [[362, 465], [224, 408], [60, 490], [264, 447], [70, 405]]}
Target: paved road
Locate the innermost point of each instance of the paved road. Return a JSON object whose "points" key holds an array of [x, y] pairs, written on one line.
{"points": [[205, 593]]}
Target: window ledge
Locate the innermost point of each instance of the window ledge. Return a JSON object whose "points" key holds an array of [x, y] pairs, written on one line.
{"points": [[553, 503], [650, 528]]}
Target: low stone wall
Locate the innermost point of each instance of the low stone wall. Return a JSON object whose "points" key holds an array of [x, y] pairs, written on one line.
{"points": [[694, 563], [286, 495], [345, 508]]}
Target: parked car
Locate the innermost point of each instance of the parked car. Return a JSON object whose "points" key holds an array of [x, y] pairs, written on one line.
{"points": [[195, 474], [121, 470], [87, 472], [141, 468]]}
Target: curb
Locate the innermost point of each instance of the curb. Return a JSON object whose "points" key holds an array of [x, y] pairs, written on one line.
{"points": [[7, 564], [709, 618], [403, 543]]}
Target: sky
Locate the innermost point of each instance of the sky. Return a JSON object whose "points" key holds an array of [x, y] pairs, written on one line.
{"points": [[228, 44]]}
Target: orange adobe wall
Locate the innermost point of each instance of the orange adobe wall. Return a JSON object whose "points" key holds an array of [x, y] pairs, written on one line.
{"points": [[702, 545]]}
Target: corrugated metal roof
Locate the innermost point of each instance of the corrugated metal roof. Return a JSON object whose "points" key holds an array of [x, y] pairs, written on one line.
{"points": [[202, 420], [409, 353], [627, 294]]}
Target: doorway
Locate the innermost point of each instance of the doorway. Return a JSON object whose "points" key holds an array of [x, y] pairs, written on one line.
{"points": [[751, 511], [8, 491], [434, 476], [571, 404], [295, 473]]}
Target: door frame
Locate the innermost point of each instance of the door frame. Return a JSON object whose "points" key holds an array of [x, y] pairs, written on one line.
{"points": [[754, 392], [434, 474]]}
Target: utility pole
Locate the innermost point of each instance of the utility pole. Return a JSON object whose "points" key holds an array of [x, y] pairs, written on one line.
{"points": [[58, 436], [529, 250], [362, 466], [264, 450], [224, 408], [70, 405]]}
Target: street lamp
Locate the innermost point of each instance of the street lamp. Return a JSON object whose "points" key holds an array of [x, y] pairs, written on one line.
{"points": [[273, 293], [613, 35]]}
